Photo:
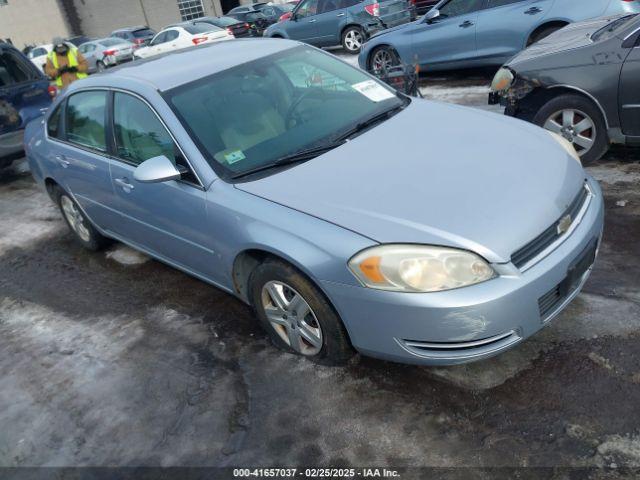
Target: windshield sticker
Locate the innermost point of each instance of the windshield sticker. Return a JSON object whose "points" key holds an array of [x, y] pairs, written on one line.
{"points": [[233, 157], [373, 90]]}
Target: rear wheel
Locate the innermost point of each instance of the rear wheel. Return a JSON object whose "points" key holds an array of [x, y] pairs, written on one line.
{"points": [[352, 39], [383, 58], [83, 231], [100, 67], [297, 315], [579, 121]]}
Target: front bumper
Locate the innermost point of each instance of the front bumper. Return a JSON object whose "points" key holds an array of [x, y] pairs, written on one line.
{"points": [[471, 323]]}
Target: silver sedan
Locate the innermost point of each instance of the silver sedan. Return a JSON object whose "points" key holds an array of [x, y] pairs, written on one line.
{"points": [[106, 52]]}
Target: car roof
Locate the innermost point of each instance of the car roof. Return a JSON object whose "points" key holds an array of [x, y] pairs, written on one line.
{"points": [[131, 29], [179, 67]]}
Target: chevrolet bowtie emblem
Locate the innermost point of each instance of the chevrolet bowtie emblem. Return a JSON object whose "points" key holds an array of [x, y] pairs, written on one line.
{"points": [[564, 224]]}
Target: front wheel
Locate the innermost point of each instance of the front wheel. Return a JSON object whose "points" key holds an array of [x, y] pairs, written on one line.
{"points": [[353, 39], [579, 121], [382, 59], [297, 315]]}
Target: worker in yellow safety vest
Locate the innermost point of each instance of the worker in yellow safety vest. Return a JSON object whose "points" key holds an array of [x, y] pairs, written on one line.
{"points": [[65, 64]]}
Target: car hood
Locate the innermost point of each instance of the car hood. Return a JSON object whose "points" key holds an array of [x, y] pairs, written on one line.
{"points": [[571, 37], [437, 174]]}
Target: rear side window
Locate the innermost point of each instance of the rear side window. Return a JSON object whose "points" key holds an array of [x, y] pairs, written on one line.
{"points": [[460, 7], [85, 115], [14, 70], [38, 52], [54, 124], [171, 35]]}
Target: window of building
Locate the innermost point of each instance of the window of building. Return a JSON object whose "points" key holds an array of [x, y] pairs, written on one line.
{"points": [[190, 9]]}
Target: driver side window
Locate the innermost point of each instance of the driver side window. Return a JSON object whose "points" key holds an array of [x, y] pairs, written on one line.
{"points": [[307, 9], [455, 8], [160, 38]]}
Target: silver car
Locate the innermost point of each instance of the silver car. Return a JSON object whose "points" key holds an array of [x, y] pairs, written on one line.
{"points": [[263, 173], [106, 52]]}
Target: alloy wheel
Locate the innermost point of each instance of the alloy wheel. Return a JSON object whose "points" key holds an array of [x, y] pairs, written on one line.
{"points": [[74, 218], [353, 40], [382, 60], [575, 126], [292, 318]]}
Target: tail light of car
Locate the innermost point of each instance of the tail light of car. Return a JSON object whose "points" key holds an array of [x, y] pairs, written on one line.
{"points": [[52, 90], [284, 16], [373, 9], [138, 41], [247, 26], [199, 40], [108, 53], [230, 30]]}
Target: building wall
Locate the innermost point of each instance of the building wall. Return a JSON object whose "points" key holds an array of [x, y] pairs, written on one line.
{"points": [[98, 18], [32, 22]]}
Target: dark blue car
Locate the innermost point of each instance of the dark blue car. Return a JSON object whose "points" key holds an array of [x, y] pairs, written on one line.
{"points": [[24, 96]]}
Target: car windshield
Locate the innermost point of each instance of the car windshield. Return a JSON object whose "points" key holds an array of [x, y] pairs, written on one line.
{"points": [[143, 32], [201, 28], [613, 28], [259, 112]]}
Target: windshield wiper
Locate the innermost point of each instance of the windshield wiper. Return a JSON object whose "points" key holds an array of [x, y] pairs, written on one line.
{"points": [[368, 123], [296, 157]]}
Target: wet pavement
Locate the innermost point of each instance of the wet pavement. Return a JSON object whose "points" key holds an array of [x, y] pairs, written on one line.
{"points": [[112, 358]]}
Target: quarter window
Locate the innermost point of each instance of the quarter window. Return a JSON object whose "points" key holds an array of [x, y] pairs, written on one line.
{"points": [[85, 115]]}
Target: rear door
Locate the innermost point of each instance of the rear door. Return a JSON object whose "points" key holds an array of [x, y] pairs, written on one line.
{"points": [[329, 20], [167, 218], [23, 97], [451, 37], [303, 24], [394, 12], [630, 93], [505, 25]]}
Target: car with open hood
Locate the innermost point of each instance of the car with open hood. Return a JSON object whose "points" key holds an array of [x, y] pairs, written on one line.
{"points": [[442, 248], [582, 82]]}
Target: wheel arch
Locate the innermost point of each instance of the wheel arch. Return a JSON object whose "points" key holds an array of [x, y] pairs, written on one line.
{"points": [[375, 49], [558, 22]]}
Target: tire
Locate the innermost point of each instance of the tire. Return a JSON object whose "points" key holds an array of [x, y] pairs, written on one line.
{"points": [[83, 231], [352, 39], [552, 117], [278, 289], [542, 34], [383, 58], [100, 67]]}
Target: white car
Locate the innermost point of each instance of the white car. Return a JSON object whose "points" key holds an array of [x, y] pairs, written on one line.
{"points": [[38, 55], [181, 36]]}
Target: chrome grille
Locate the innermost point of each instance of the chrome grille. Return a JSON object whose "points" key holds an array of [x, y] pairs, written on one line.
{"points": [[524, 255]]}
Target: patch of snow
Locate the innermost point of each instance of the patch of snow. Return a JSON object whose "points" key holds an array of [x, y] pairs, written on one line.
{"points": [[125, 255], [627, 447]]}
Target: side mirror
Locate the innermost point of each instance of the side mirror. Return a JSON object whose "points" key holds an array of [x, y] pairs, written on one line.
{"points": [[431, 15], [156, 170]]}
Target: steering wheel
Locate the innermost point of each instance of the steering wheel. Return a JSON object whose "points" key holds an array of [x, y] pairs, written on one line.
{"points": [[292, 113]]}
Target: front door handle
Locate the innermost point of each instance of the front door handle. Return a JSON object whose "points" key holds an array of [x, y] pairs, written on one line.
{"points": [[466, 24], [533, 11], [62, 161], [340, 15], [124, 183], [313, 20]]}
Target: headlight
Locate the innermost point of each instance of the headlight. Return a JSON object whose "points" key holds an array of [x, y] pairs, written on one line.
{"points": [[567, 145], [416, 268], [503, 80]]}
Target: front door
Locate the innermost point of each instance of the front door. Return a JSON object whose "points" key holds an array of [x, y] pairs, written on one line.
{"points": [[302, 25], [505, 25], [449, 38], [630, 93], [168, 218]]}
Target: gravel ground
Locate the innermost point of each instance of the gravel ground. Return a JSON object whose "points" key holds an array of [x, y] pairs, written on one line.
{"points": [[116, 359]]}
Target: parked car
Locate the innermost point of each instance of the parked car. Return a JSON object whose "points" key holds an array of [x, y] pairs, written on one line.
{"points": [[106, 52], [274, 11], [38, 55], [480, 33], [232, 25], [254, 7], [582, 82], [78, 40], [140, 36], [425, 250], [256, 20], [180, 36], [340, 22], [24, 96]]}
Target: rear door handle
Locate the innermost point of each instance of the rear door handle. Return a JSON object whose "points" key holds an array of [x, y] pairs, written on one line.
{"points": [[62, 161], [532, 11], [124, 183], [313, 20], [466, 24]]}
